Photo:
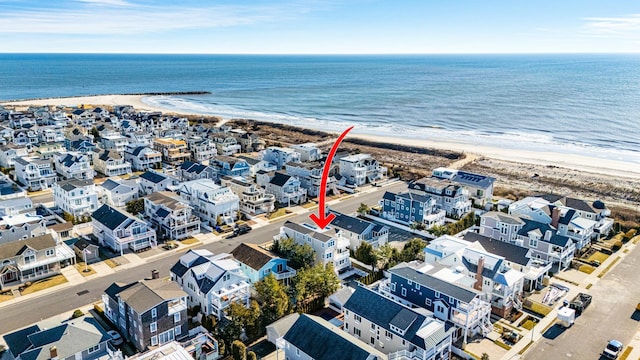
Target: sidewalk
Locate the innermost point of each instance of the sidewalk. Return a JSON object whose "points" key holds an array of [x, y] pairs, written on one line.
{"points": [[550, 319]]}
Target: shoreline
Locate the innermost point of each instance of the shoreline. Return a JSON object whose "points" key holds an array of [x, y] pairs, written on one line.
{"points": [[616, 168]]}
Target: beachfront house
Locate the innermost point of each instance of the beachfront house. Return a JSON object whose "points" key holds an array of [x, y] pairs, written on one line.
{"points": [[35, 174], [545, 242], [212, 282], [31, 259], [211, 202], [464, 307], [257, 263], [110, 163], [279, 156], [171, 215], [328, 244], [409, 208], [117, 192], [76, 197], [73, 166], [360, 169], [480, 186], [226, 145], [142, 158], [147, 313], [308, 152], [449, 196], [395, 329], [358, 231], [120, 230]]}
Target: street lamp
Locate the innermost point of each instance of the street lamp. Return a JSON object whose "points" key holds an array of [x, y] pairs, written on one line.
{"points": [[86, 266]]}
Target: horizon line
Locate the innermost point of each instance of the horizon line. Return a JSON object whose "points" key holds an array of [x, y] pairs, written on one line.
{"points": [[320, 54]]}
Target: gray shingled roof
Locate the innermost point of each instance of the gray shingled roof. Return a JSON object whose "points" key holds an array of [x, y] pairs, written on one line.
{"points": [[432, 282], [511, 252], [305, 230], [252, 255], [146, 294], [15, 248], [351, 224]]}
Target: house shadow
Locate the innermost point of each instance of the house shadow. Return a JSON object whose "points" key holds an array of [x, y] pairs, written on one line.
{"points": [[636, 315], [553, 332]]}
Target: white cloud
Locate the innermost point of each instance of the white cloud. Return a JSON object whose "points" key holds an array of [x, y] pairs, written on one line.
{"points": [[120, 18], [613, 26]]}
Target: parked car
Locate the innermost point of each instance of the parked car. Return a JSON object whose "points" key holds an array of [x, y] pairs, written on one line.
{"points": [[580, 303], [241, 229], [613, 349], [116, 338]]}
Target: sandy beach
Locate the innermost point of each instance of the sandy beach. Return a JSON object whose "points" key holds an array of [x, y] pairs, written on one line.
{"points": [[615, 168]]}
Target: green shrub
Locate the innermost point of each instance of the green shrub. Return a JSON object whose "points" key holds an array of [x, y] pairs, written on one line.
{"points": [[76, 314]]}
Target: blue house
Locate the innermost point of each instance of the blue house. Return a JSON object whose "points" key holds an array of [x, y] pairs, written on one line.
{"points": [[231, 166], [257, 263], [408, 208], [463, 306]]}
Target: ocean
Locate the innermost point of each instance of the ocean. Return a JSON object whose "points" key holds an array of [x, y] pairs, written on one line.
{"points": [[582, 104]]}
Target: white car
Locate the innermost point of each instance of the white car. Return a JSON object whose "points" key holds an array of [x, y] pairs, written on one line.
{"points": [[116, 339], [613, 349]]}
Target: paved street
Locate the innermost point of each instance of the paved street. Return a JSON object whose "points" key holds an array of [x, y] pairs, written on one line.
{"points": [[609, 316], [44, 197], [25, 312]]}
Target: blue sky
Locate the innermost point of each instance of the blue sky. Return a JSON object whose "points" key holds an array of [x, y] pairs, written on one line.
{"points": [[320, 26]]}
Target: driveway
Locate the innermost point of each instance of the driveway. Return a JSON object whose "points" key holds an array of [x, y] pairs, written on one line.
{"points": [[609, 316]]}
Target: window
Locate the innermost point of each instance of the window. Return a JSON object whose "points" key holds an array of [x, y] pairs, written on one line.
{"points": [[373, 340], [357, 318], [297, 351], [440, 308], [154, 340], [176, 317], [177, 330], [388, 335], [154, 313], [417, 286], [346, 327], [356, 332], [93, 349], [409, 282], [404, 292], [373, 327], [153, 327], [166, 336], [50, 252], [437, 294], [392, 286], [427, 302]]}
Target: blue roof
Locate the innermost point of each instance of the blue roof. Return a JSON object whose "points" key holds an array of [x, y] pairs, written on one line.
{"points": [[153, 177]]}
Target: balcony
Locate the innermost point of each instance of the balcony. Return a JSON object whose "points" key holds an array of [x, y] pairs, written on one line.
{"points": [[177, 306], [285, 274]]}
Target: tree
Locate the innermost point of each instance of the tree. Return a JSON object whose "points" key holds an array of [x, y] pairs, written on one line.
{"points": [[239, 350], [485, 356], [317, 281], [363, 209], [68, 217], [219, 220], [366, 253], [134, 207], [273, 299], [384, 255], [96, 134], [413, 250], [241, 318], [299, 255], [252, 356]]}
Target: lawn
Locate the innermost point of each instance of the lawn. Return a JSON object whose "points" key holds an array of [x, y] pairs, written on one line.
{"points": [[309, 205], [45, 284], [278, 213], [6, 296], [190, 241], [110, 263], [597, 256], [80, 267], [586, 269]]}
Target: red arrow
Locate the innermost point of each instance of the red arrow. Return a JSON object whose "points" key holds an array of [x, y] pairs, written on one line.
{"points": [[321, 219]]}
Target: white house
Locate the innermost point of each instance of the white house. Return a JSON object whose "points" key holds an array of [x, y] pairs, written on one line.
{"points": [[36, 174], [9, 153], [152, 181], [253, 199], [77, 197], [279, 156], [211, 281], [120, 230], [143, 158], [210, 200], [286, 189], [110, 163], [360, 169], [73, 166], [359, 231], [117, 192], [171, 215], [308, 151], [202, 150]]}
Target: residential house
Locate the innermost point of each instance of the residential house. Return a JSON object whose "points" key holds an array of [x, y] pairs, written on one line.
{"points": [[153, 181], [211, 202], [16, 206], [226, 145], [230, 166], [21, 226], [172, 216], [286, 189], [110, 163], [212, 281], [147, 313], [480, 187], [73, 166], [36, 174], [82, 145], [114, 141], [119, 230], [9, 189], [249, 142], [449, 196], [9, 153], [201, 347], [310, 176], [31, 259], [48, 150], [408, 208], [79, 115], [395, 329], [76, 197], [253, 200], [256, 165], [117, 192], [545, 242], [358, 231], [203, 149], [143, 158], [327, 343], [257, 263], [464, 307], [86, 251], [279, 156], [361, 169], [82, 338], [25, 137], [51, 134], [308, 152], [328, 245], [174, 151], [194, 171], [22, 122], [140, 138]]}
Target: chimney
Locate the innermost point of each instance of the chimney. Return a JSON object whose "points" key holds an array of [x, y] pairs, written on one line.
{"points": [[478, 284], [547, 235], [555, 217], [53, 353], [155, 274]]}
